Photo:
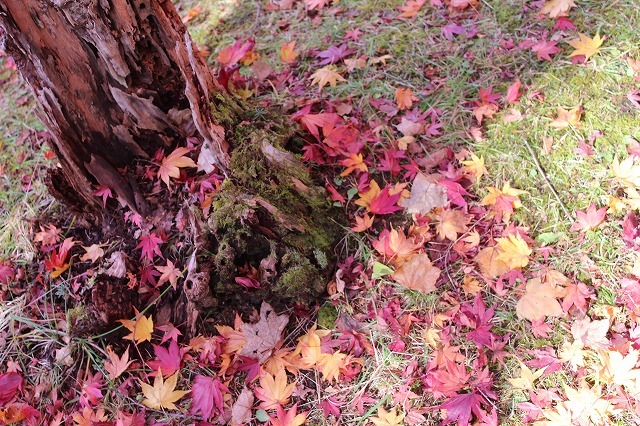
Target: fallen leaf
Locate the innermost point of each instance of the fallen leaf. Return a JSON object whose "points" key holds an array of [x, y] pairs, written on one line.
{"points": [[263, 336], [474, 167], [591, 334], [326, 75], [172, 164], [425, 196], [567, 118], [555, 8], [513, 251], [241, 409], [544, 49], [588, 406], [586, 45], [141, 328], [489, 263], [93, 252], [162, 394], [451, 223], [288, 53], [527, 378], [591, 219], [539, 301], [418, 273], [116, 365], [288, 418], [273, 390], [405, 98], [388, 418]]}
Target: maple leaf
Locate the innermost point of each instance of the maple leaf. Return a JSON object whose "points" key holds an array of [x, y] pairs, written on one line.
{"points": [[484, 110], [288, 418], [544, 49], [169, 360], [556, 8], [459, 408], [513, 92], [587, 405], [620, 370], [504, 201], [207, 394], [627, 172], [10, 382], [513, 251], [140, 327], [586, 45], [316, 4], [354, 162], [591, 219], [288, 52], [405, 98], [192, 13], [93, 252], [567, 118], [169, 274], [451, 223], [16, 412], [388, 418], [150, 246], [273, 390], [104, 192], [116, 365], [474, 167], [263, 336], [576, 295], [326, 75], [172, 163], [91, 393], [334, 54], [312, 122], [395, 246], [590, 334], [330, 365], [539, 301], [232, 54], [418, 274], [411, 8], [527, 378], [362, 223], [425, 196], [162, 394], [48, 237]]}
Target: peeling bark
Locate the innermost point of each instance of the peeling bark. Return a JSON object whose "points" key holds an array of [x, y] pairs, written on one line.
{"points": [[117, 80]]}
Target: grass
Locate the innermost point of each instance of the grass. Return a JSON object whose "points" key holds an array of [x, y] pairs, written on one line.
{"points": [[446, 76]]}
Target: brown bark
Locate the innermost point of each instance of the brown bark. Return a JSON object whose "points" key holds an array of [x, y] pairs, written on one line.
{"points": [[117, 80]]}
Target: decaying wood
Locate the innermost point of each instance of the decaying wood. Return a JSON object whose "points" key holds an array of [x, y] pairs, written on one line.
{"points": [[116, 80]]}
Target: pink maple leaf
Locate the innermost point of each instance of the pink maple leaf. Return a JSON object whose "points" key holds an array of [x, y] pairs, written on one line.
{"points": [[385, 203], [331, 406], [288, 418], [631, 231], [91, 390], [544, 49], [150, 246], [459, 408], [513, 92], [564, 23], [169, 360], [207, 394], [577, 295], [170, 332], [104, 192], [590, 219]]}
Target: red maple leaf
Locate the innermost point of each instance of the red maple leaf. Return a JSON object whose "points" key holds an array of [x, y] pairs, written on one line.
{"points": [[513, 92], [150, 245], [207, 394], [385, 203], [91, 390], [232, 54], [9, 385], [631, 231], [169, 360], [590, 219]]}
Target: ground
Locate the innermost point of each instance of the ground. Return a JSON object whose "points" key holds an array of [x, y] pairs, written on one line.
{"points": [[484, 167]]}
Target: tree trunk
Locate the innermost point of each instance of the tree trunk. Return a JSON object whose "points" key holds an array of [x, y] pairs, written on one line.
{"points": [[119, 79], [116, 80]]}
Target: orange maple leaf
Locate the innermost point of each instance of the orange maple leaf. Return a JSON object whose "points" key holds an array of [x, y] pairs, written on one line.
{"points": [[405, 98], [451, 223], [116, 365], [567, 118], [288, 53], [273, 390], [172, 163], [354, 162], [586, 45], [327, 75]]}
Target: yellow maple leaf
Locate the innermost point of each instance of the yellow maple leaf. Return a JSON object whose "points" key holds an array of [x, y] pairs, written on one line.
{"points": [[586, 45], [288, 52], [354, 162], [474, 167], [513, 251], [626, 172], [140, 327], [388, 418], [567, 118], [555, 8], [366, 197], [162, 394], [527, 377], [330, 365], [326, 75], [172, 164], [619, 369]]}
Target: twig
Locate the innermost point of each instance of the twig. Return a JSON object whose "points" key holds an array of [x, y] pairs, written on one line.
{"points": [[534, 157]]}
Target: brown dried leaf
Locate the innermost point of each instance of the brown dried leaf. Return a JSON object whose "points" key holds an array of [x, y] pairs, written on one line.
{"points": [[263, 336], [539, 301], [418, 273]]}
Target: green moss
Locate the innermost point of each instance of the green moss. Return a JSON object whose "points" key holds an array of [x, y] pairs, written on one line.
{"points": [[327, 316]]}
